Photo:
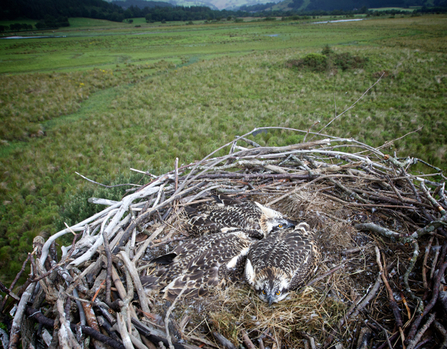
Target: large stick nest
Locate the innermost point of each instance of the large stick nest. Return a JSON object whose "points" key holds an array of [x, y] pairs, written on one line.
{"points": [[380, 227]]}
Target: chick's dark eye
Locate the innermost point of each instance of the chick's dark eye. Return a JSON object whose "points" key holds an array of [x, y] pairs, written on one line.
{"points": [[279, 225], [263, 292], [278, 293]]}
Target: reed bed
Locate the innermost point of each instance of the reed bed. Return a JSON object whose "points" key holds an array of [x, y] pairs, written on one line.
{"points": [[379, 220]]}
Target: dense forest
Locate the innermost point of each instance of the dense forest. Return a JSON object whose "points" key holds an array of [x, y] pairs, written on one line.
{"points": [[56, 9]]}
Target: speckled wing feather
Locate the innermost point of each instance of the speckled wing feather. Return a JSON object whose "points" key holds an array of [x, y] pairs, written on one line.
{"points": [[203, 262], [281, 262], [226, 213], [222, 213]]}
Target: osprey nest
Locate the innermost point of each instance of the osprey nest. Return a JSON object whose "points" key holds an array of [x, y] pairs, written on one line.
{"points": [[379, 222]]}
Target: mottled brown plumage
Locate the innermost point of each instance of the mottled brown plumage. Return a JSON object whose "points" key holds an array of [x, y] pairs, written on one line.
{"points": [[225, 213], [281, 262], [201, 263]]}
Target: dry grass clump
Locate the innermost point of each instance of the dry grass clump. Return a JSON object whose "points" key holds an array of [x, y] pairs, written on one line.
{"points": [[309, 311]]}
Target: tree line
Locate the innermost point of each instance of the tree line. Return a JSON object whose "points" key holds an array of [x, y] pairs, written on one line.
{"points": [[55, 10], [55, 13]]}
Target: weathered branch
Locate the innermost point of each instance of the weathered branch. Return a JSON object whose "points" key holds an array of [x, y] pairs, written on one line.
{"points": [[39, 317], [413, 260], [17, 322], [434, 298]]}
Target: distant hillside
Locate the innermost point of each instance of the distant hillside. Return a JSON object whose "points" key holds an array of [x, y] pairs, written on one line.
{"points": [[286, 5], [213, 4], [45, 9], [345, 5], [125, 4], [55, 13], [151, 4]]}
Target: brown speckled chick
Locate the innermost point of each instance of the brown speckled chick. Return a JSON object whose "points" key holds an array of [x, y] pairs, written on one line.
{"points": [[200, 263], [282, 262], [226, 214]]}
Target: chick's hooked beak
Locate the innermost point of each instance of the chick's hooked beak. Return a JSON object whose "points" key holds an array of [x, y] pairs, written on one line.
{"points": [[290, 224]]}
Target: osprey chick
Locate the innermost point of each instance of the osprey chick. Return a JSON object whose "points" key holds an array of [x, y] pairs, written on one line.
{"points": [[281, 262], [200, 263], [226, 214]]}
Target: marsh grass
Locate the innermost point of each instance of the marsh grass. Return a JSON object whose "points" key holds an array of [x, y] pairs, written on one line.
{"points": [[147, 114], [29, 101]]}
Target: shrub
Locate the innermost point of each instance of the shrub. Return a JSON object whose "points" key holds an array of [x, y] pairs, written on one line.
{"points": [[312, 61], [328, 60], [346, 61]]}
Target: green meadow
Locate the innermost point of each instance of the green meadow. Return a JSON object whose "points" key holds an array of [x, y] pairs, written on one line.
{"points": [[105, 97]]}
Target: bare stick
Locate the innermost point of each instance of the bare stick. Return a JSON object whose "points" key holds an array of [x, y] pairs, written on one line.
{"points": [[431, 199], [176, 174], [108, 186], [77, 227], [79, 278], [378, 229], [413, 260], [421, 332], [39, 317], [363, 303], [19, 273], [393, 303], [385, 332], [355, 309], [222, 340], [144, 301], [136, 342], [387, 144], [17, 322], [109, 269], [443, 332], [247, 340], [6, 290], [4, 338], [353, 105], [123, 331], [66, 337], [424, 264], [118, 284], [114, 222], [168, 314], [330, 272], [92, 321], [147, 242], [433, 300], [148, 213]]}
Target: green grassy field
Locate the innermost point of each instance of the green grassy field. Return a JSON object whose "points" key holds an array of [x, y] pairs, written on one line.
{"points": [[112, 96]]}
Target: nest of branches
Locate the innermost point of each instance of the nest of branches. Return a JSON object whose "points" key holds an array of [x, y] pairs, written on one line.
{"points": [[381, 280]]}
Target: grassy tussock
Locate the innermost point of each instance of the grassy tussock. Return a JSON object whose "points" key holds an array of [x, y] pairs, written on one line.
{"points": [[28, 101]]}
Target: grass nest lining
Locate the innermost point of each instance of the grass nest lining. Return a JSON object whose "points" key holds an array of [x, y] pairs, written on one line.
{"points": [[379, 224]]}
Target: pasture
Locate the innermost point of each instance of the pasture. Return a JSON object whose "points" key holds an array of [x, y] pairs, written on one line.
{"points": [[104, 97]]}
